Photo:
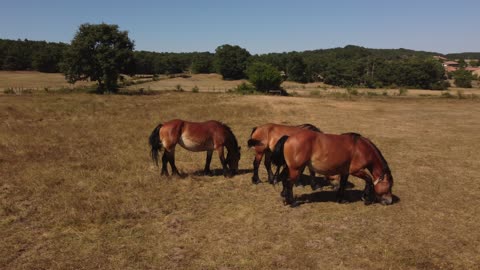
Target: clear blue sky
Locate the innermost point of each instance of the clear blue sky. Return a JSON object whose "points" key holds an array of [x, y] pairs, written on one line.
{"points": [[259, 26]]}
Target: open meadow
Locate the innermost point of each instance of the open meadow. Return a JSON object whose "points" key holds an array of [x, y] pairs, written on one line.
{"points": [[79, 191]]}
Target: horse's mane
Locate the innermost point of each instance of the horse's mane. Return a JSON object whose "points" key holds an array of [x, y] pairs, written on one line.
{"points": [[253, 130], [229, 131], [309, 127], [385, 166], [357, 136]]}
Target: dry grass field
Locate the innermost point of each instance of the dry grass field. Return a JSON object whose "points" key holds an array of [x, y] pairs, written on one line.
{"points": [[34, 80], [37, 81], [78, 189]]}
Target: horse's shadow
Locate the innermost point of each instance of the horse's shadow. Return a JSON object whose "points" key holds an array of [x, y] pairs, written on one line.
{"points": [[218, 172], [329, 196], [351, 196]]}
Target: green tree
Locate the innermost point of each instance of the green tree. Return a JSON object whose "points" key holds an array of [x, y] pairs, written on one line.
{"points": [[296, 69], [264, 76], [463, 78], [231, 61], [202, 63], [99, 52]]}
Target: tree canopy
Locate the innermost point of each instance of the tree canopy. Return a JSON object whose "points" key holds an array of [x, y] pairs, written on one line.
{"points": [[231, 61], [99, 52], [264, 76]]}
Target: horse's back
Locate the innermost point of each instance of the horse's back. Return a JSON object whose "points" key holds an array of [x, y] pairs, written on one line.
{"points": [[269, 134]]}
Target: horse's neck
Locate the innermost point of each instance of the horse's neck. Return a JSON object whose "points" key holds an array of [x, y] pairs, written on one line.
{"points": [[230, 142], [377, 170]]}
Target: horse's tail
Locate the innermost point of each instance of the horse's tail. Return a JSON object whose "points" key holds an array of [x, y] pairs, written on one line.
{"points": [[155, 143], [252, 142], [277, 156]]}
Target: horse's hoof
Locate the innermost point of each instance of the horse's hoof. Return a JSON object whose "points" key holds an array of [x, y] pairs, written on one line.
{"points": [[294, 204], [282, 194], [315, 186], [342, 201], [367, 202], [255, 181]]}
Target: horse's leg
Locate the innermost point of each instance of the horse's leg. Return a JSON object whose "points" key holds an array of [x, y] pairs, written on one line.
{"points": [[368, 193], [171, 160], [283, 176], [256, 165], [268, 165], [313, 182], [294, 174], [341, 189], [223, 161], [207, 171], [164, 164]]}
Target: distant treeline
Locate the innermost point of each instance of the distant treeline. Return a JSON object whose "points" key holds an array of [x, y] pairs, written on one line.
{"points": [[348, 66], [31, 55]]}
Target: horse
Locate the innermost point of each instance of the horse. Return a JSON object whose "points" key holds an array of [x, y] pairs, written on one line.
{"points": [[263, 139], [206, 136], [330, 154]]}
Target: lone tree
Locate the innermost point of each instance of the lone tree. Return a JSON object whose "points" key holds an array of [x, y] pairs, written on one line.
{"points": [[99, 52], [231, 61], [264, 76]]}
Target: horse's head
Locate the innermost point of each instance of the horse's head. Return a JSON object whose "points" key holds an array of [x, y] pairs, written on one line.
{"points": [[383, 189], [233, 157]]}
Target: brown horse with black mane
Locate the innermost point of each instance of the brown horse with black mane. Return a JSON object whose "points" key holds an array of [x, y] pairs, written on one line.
{"points": [[206, 136], [331, 154], [263, 139]]}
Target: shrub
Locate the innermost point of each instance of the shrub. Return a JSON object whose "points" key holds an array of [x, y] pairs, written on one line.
{"points": [[441, 85], [244, 88], [264, 76], [179, 88], [447, 95], [352, 91], [402, 91], [463, 78], [315, 93], [195, 89]]}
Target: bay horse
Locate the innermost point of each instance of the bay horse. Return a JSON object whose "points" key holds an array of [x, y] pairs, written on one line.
{"points": [[330, 154], [263, 139], [206, 136]]}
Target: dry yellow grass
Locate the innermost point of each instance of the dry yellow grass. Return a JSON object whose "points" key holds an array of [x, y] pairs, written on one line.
{"points": [[32, 80], [204, 82], [35, 80], [79, 191]]}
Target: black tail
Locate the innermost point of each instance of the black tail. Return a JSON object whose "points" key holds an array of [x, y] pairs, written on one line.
{"points": [[155, 143], [277, 155], [253, 142]]}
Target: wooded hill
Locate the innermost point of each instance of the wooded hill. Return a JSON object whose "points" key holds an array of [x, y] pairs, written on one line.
{"points": [[348, 66]]}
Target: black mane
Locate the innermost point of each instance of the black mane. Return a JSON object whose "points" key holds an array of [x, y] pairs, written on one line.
{"points": [[234, 140], [310, 127]]}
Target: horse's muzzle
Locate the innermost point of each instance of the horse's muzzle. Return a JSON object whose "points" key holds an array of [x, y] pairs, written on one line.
{"points": [[386, 200]]}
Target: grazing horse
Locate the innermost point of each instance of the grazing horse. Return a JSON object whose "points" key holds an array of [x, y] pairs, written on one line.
{"points": [[330, 154], [206, 136], [263, 139]]}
